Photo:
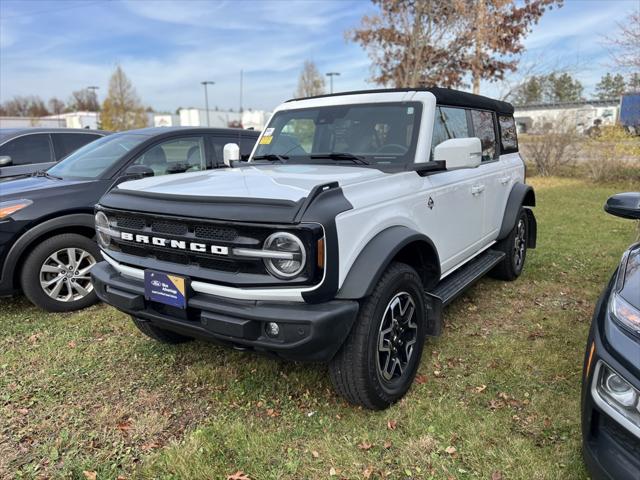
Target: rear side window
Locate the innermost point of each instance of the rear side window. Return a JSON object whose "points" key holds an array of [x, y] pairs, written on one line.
{"points": [[449, 123], [508, 134], [484, 129], [28, 149], [65, 143]]}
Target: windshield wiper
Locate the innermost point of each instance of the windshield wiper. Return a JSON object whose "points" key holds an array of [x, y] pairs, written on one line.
{"points": [[342, 156], [44, 173], [272, 157]]}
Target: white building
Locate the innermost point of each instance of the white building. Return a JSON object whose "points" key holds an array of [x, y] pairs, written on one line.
{"points": [[63, 120], [578, 115], [196, 117]]}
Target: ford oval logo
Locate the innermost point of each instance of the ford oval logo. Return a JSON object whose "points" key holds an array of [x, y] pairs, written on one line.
{"points": [[156, 283]]}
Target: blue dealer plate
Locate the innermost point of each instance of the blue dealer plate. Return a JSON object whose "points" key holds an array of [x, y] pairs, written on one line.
{"points": [[164, 288]]}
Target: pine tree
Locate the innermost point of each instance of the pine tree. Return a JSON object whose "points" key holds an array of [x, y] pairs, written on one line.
{"points": [[610, 86]]}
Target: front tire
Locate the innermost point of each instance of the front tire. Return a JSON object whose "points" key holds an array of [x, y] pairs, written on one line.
{"points": [[377, 363], [55, 275], [515, 248]]}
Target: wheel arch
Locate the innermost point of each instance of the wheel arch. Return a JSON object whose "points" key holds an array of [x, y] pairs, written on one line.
{"points": [[521, 195], [396, 243], [80, 223]]}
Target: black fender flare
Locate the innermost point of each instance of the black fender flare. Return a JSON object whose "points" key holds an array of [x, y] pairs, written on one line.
{"points": [[521, 195], [20, 246], [376, 256]]}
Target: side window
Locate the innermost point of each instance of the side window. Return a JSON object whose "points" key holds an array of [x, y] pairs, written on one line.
{"points": [[66, 143], [484, 129], [218, 142], [28, 149], [508, 134], [449, 123], [246, 145], [174, 156]]}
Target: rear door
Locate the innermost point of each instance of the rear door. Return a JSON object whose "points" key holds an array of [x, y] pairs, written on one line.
{"points": [[27, 153], [66, 143]]}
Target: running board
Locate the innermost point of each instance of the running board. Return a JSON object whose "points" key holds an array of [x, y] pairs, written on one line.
{"points": [[455, 284], [451, 287]]}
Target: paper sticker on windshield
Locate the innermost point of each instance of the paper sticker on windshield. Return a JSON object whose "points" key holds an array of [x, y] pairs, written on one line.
{"points": [[265, 140], [268, 132]]}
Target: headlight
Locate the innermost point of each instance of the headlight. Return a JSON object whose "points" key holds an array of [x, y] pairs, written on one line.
{"points": [[293, 255], [624, 313], [103, 230], [617, 397], [12, 206]]}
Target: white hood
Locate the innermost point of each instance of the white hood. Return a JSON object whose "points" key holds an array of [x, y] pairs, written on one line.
{"points": [[285, 182]]}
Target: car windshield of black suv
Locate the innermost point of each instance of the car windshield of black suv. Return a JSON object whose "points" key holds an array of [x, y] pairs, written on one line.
{"points": [[95, 158], [372, 133]]}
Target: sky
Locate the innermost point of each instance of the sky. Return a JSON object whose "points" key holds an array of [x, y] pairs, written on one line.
{"points": [[166, 47]]}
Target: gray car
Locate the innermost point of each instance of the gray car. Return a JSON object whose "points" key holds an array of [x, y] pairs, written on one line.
{"points": [[27, 150]]}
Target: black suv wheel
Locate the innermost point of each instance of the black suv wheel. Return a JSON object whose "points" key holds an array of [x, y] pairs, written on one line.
{"points": [[378, 362], [55, 275]]}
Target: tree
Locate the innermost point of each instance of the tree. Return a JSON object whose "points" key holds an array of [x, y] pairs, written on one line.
{"points": [[530, 91], [310, 82], [563, 88], [633, 84], [414, 43], [84, 100], [498, 28], [122, 109], [610, 86], [429, 42], [30, 106], [626, 46], [56, 106]]}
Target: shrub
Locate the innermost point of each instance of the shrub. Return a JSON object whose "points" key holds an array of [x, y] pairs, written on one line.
{"points": [[551, 151], [613, 154]]}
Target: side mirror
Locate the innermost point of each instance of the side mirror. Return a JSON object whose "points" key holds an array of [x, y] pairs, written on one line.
{"points": [[5, 160], [230, 153], [138, 171], [459, 153], [625, 205]]}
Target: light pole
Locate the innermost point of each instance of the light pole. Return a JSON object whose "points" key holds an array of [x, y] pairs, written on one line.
{"points": [[206, 97], [331, 75]]}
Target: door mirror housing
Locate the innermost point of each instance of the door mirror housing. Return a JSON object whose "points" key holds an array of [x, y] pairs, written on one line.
{"points": [[136, 172], [5, 161], [459, 153], [625, 205], [230, 153]]}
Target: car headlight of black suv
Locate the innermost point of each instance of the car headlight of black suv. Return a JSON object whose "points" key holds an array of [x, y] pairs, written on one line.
{"points": [[624, 305]]}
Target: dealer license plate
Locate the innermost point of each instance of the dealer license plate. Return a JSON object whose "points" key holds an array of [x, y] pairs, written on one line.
{"points": [[165, 288]]}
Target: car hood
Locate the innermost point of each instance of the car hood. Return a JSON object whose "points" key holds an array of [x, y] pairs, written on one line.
{"points": [[269, 182], [36, 187]]}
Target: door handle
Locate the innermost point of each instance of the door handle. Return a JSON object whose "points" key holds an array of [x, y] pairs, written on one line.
{"points": [[477, 189], [505, 180]]}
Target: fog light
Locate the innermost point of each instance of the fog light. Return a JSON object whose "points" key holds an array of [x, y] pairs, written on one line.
{"points": [[272, 329], [619, 390]]}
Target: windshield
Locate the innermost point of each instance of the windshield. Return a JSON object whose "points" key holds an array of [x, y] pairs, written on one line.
{"points": [[95, 158], [375, 133]]}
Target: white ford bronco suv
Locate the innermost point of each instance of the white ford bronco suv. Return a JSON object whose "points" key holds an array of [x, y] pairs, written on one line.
{"points": [[357, 218]]}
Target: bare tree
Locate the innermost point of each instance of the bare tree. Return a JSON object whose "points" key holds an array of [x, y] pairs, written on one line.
{"points": [[310, 82], [56, 106], [29, 106], [626, 45], [552, 149], [84, 100], [122, 109]]}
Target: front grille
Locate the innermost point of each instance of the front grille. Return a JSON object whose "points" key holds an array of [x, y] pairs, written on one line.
{"points": [[216, 233], [130, 222], [170, 228]]}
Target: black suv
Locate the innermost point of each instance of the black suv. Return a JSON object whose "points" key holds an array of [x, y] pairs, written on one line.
{"points": [[27, 150], [611, 380], [47, 220]]}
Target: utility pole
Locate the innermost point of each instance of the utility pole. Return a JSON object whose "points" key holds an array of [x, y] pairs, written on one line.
{"points": [[206, 98], [331, 75]]}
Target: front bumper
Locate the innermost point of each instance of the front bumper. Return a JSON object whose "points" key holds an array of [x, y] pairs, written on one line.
{"points": [[610, 450], [308, 332]]}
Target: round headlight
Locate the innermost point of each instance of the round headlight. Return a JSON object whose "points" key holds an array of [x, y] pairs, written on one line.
{"points": [[291, 265], [619, 389], [102, 230]]}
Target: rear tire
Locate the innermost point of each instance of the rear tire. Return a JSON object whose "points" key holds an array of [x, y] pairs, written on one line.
{"points": [[159, 334], [377, 363], [55, 275], [515, 248]]}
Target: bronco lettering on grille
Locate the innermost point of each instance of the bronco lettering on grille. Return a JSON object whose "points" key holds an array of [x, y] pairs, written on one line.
{"points": [[178, 244]]}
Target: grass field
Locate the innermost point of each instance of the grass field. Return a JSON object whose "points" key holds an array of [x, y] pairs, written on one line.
{"points": [[86, 396]]}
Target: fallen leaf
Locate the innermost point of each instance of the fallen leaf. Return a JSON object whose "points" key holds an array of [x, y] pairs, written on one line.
{"points": [[22, 411], [450, 450], [90, 475], [480, 389], [121, 477], [367, 472], [124, 426], [365, 445], [392, 424], [332, 472], [387, 445], [272, 413], [315, 454], [239, 475], [420, 379], [72, 344], [496, 475]]}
